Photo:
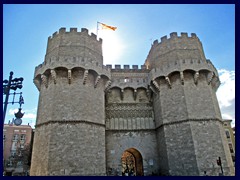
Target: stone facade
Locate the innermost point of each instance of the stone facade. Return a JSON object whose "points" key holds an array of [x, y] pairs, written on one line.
{"points": [[92, 119]]}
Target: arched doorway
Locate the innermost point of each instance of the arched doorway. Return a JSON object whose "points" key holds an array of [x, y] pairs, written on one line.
{"points": [[132, 163]]}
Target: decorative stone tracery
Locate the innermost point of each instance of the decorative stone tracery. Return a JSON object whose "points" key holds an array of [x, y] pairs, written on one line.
{"points": [[129, 110]]}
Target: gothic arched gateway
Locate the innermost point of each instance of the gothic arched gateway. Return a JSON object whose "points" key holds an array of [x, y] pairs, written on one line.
{"points": [[132, 163]]}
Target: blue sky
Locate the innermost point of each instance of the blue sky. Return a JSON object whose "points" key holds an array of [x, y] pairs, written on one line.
{"points": [[27, 27]]}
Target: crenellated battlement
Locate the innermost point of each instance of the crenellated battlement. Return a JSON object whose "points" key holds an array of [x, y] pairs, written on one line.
{"points": [[125, 67], [84, 31], [175, 48], [174, 36], [73, 48]]}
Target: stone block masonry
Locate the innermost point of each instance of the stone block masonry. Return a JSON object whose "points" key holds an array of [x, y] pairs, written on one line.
{"points": [[160, 119]]}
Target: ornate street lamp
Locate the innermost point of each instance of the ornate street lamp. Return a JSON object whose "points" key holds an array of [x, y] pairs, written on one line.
{"points": [[13, 84]]}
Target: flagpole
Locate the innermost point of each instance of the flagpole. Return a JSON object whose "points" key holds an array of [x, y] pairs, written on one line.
{"points": [[97, 28]]}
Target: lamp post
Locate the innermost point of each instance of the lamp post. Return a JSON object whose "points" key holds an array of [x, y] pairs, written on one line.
{"points": [[13, 84]]}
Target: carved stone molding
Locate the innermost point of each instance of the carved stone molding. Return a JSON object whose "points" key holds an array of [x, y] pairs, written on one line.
{"points": [[210, 77], [196, 76], [168, 82], [69, 122], [108, 85], [44, 80], [54, 76], [182, 77], [85, 75], [152, 89], [129, 110], [132, 75], [96, 81], [156, 85], [189, 120], [69, 76]]}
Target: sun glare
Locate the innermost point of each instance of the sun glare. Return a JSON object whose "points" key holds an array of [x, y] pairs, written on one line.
{"points": [[112, 47]]}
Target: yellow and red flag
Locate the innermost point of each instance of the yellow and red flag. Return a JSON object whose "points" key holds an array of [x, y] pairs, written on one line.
{"points": [[104, 26]]}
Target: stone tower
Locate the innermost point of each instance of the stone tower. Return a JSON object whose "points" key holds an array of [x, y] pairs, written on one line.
{"points": [[162, 119], [70, 127], [187, 117]]}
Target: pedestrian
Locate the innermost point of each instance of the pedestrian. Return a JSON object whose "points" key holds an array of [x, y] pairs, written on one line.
{"points": [[205, 173]]}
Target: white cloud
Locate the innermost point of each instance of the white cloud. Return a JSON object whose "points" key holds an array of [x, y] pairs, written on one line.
{"points": [[227, 116], [29, 116], [12, 111], [226, 94], [226, 91]]}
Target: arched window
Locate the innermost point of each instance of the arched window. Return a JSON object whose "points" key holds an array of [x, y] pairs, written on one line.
{"points": [[227, 133]]}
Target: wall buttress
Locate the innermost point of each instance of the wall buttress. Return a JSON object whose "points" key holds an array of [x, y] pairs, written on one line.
{"points": [[168, 82]]}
